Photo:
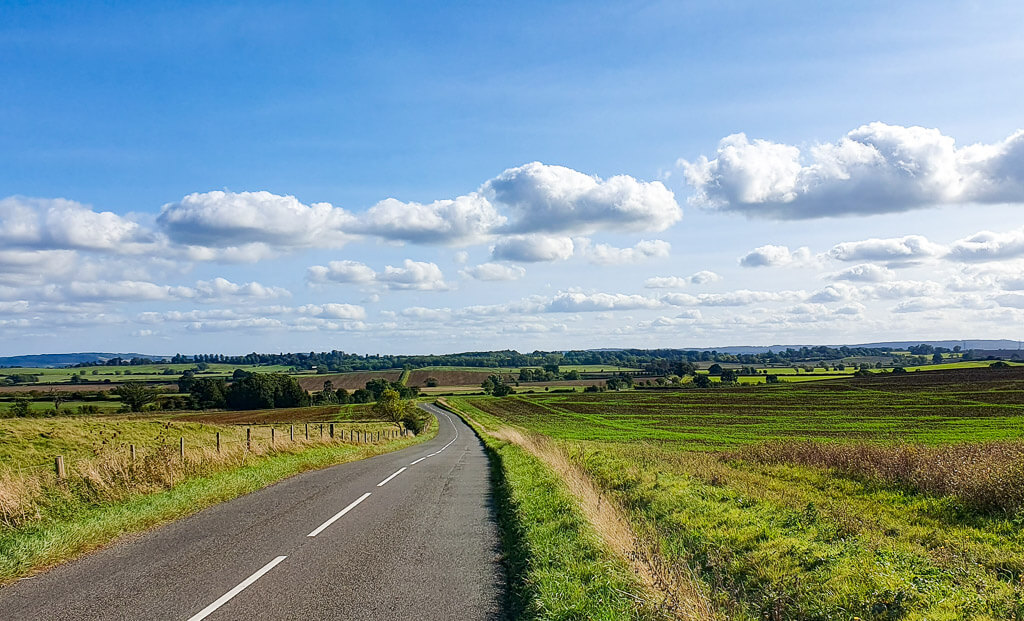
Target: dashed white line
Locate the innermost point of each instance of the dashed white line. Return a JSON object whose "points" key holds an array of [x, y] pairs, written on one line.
{"points": [[336, 516], [417, 461], [205, 612], [385, 481]]}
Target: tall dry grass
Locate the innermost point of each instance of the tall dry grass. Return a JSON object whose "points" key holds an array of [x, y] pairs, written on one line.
{"points": [[987, 477], [25, 495]]}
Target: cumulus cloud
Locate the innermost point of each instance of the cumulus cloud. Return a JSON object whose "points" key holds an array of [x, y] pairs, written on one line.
{"points": [[864, 272], [604, 254], [465, 219], [494, 272], [678, 282], [908, 249], [989, 246], [568, 302], [876, 168], [33, 267], [741, 297], [411, 275], [60, 224], [222, 219], [342, 272], [334, 311], [545, 198], [775, 256], [218, 289], [533, 248]]}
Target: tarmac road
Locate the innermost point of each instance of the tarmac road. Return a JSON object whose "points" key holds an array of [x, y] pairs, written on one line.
{"points": [[406, 535]]}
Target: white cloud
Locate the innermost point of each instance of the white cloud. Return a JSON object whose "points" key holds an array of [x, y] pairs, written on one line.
{"points": [[776, 256], [230, 219], [989, 246], [568, 302], [220, 289], [465, 219], [604, 254], [544, 198], [34, 267], [864, 272], [494, 272], [342, 272], [533, 248], [413, 275], [876, 168], [334, 311], [678, 282], [60, 224], [741, 297], [895, 250], [427, 314]]}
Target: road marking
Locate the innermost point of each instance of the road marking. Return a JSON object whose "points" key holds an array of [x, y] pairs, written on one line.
{"points": [[453, 439], [384, 482], [205, 612], [320, 529], [417, 461]]}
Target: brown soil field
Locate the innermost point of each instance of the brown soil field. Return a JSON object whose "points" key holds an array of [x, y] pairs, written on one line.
{"points": [[319, 413], [92, 387], [451, 378], [348, 381]]}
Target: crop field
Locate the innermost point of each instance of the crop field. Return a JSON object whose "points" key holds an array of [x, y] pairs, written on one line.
{"points": [[887, 497], [348, 381], [446, 377], [152, 372]]}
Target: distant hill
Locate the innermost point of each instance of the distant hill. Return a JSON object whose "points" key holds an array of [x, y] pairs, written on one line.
{"points": [[984, 344], [64, 360]]}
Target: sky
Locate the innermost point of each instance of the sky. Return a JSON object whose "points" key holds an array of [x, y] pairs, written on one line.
{"points": [[431, 178]]}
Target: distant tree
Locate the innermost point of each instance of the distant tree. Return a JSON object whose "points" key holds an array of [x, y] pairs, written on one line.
{"points": [[898, 370], [715, 369], [240, 374], [57, 397], [266, 390], [390, 406], [377, 386], [772, 379], [496, 386], [999, 364], [362, 395], [135, 395], [188, 377], [342, 396], [208, 393], [729, 376], [936, 358], [21, 407], [202, 366], [430, 382], [702, 381]]}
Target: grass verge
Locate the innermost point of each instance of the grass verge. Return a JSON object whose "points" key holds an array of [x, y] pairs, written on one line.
{"points": [[80, 516], [557, 565]]}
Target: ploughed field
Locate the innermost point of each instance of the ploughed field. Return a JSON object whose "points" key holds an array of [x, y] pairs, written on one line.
{"points": [[889, 497]]}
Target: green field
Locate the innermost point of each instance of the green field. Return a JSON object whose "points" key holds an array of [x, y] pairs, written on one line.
{"points": [[812, 501]]}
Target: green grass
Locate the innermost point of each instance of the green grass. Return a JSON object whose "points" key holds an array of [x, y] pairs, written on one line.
{"points": [[73, 519], [556, 566], [787, 541]]}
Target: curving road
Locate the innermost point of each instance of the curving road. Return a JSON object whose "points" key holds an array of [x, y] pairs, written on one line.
{"points": [[407, 535]]}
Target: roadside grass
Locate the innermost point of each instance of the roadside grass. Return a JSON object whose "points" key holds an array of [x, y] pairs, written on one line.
{"points": [[556, 565], [806, 501], [47, 522]]}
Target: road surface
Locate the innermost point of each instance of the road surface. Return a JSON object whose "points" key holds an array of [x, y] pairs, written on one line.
{"points": [[406, 535]]}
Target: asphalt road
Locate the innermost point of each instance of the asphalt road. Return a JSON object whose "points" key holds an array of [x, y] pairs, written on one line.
{"points": [[407, 535]]}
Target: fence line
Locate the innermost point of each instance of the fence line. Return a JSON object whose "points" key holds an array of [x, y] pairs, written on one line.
{"points": [[60, 467]]}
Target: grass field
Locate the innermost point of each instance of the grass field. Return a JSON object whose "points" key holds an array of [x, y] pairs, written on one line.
{"points": [[811, 501]]}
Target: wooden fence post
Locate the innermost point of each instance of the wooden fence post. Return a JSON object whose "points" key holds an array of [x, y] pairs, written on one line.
{"points": [[271, 436], [248, 438], [218, 441], [321, 431], [307, 431], [291, 433], [131, 449], [58, 464], [332, 431], [181, 448]]}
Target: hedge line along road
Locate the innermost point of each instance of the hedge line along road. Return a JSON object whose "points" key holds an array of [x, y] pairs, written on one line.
{"points": [[406, 535]]}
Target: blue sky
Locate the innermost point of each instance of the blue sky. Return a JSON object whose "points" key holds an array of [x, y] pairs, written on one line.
{"points": [[213, 177]]}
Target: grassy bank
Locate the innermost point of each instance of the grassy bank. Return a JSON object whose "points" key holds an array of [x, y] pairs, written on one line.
{"points": [[46, 522], [811, 504], [556, 564]]}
